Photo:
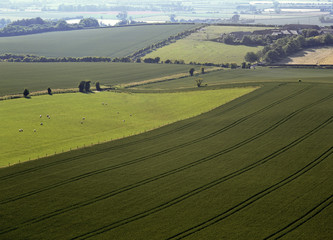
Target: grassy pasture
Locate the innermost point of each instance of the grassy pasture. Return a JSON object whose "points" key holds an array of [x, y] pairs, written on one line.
{"points": [[259, 166], [39, 76], [110, 42], [198, 48], [124, 115]]}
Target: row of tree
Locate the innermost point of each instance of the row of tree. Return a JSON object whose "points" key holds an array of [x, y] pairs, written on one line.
{"points": [[262, 39], [285, 47], [144, 51], [38, 25]]}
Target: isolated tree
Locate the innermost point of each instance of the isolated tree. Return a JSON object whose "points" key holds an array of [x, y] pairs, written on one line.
{"points": [[191, 71], [82, 86], [26, 93], [49, 91], [251, 57], [199, 82], [98, 87], [87, 86]]}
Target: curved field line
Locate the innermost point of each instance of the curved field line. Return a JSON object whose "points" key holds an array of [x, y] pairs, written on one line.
{"points": [[253, 198], [165, 151], [233, 209], [70, 159], [303, 219], [193, 192]]}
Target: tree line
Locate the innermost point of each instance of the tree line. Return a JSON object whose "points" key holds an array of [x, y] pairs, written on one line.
{"points": [[38, 25], [285, 47], [144, 51]]}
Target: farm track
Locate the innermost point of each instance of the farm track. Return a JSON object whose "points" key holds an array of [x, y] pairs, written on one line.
{"points": [[132, 143], [92, 173], [303, 219], [258, 196], [195, 191]]}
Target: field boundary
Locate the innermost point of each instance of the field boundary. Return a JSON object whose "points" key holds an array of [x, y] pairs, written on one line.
{"points": [[166, 78]]}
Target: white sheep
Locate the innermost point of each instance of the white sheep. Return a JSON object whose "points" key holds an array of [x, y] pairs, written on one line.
{"points": [[35, 130], [40, 116], [20, 130]]}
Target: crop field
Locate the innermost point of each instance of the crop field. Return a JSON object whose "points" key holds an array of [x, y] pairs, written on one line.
{"points": [[258, 167], [321, 55], [198, 48], [109, 42], [15, 77]]}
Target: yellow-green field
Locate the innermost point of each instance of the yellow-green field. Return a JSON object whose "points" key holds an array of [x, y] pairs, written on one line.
{"points": [[198, 48], [108, 115]]}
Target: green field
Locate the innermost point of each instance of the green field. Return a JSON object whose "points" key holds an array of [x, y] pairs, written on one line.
{"points": [[110, 42], [15, 77], [198, 48], [228, 77], [108, 115], [258, 167]]}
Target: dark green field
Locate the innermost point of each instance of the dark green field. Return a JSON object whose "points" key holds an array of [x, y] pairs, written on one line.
{"points": [[109, 42], [39, 76], [259, 167]]}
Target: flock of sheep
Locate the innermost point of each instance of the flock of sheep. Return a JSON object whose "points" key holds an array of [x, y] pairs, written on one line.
{"points": [[40, 116], [49, 117]]}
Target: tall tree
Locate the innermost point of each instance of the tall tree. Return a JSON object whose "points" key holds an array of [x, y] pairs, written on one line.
{"points": [[87, 86], [191, 71], [82, 86], [26, 92]]}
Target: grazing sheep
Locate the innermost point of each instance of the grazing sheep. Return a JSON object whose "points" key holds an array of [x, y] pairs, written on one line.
{"points": [[47, 115], [83, 118], [41, 123], [81, 122], [102, 103], [123, 120], [40, 116], [35, 130], [20, 130]]}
